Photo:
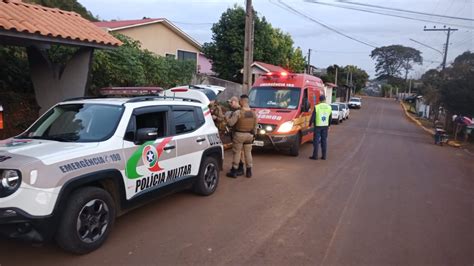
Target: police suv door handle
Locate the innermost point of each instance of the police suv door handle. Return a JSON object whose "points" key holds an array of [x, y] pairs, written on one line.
{"points": [[171, 147], [200, 140]]}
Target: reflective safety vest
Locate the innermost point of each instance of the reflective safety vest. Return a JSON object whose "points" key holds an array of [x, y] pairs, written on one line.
{"points": [[323, 112]]}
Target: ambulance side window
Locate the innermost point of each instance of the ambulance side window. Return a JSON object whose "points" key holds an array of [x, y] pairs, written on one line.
{"points": [[305, 106]]}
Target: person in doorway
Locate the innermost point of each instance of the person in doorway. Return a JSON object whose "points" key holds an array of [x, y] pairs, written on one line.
{"points": [[244, 122], [321, 118]]}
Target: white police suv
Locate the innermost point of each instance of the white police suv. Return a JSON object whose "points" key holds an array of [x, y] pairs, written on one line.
{"points": [[86, 161]]}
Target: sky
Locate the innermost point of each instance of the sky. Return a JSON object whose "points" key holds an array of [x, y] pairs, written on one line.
{"points": [[196, 17]]}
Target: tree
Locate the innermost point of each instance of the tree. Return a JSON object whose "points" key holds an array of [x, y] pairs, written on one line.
{"points": [[271, 45], [129, 65], [359, 76], [297, 61], [457, 92], [391, 60]]}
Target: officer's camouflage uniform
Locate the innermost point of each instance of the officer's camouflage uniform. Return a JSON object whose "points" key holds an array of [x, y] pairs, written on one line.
{"points": [[244, 122]]}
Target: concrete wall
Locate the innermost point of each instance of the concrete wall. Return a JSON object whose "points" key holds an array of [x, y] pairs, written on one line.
{"points": [[232, 88], [159, 39], [53, 83]]}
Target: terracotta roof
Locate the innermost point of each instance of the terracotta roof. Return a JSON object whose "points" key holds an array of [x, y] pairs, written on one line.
{"points": [[52, 23], [268, 67], [125, 24]]}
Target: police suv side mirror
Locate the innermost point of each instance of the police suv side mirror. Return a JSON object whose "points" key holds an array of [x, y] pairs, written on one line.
{"points": [[146, 134]]}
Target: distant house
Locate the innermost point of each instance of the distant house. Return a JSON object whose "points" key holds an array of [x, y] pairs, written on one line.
{"points": [[259, 68], [161, 37]]}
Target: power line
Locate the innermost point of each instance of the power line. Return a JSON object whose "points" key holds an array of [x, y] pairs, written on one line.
{"points": [[404, 10], [386, 14], [291, 9], [425, 45]]}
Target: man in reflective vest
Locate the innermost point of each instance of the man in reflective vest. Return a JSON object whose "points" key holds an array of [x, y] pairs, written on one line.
{"points": [[244, 122], [321, 118]]}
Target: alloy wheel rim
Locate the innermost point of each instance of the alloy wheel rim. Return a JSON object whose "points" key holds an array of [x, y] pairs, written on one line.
{"points": [[93, 220], [210, 176]]}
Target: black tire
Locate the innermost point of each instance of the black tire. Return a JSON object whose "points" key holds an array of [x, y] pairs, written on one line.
{"points": [[208, 177], [336, 122], [72, 233], [295, 147]]}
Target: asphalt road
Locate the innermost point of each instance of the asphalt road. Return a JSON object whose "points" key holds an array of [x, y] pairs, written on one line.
{"points": [[385, 196]]}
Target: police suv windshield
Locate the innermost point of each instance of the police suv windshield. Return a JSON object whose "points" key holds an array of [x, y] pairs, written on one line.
{"points": [[274, 97], [76, 123]]}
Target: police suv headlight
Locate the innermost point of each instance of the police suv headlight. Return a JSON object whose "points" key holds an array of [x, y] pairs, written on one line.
{"points": [[285, 127], [10, 181]]}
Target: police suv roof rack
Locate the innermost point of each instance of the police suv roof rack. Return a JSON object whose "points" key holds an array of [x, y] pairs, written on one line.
{"points": [[152, 98]]}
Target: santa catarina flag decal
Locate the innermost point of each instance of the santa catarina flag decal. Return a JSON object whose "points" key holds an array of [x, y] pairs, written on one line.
{"points": [[149, 154]]}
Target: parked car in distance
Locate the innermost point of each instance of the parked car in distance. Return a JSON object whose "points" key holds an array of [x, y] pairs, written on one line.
{"points": [[337, 113], [355, 102], [345, 110]]}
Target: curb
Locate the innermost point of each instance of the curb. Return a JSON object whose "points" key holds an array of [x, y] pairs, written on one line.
{"points": [[427, 130]]}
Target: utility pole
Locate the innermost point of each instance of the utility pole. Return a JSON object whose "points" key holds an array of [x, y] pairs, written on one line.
{"points": [[352, 84], [248, 48], [309, 62], [409, 87], [335, 79], [449, 30], [347, 87]]}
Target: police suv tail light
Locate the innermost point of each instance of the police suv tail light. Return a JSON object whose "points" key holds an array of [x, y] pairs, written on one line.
{"points": [[285, 127], [10, 181]]}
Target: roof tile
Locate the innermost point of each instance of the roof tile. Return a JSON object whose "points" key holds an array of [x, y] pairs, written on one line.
{"points": [[51, 22]]}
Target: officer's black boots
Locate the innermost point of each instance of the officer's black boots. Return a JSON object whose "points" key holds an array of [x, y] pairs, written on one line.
{"points": [[232, 173], [240, 170], [248, 172]]}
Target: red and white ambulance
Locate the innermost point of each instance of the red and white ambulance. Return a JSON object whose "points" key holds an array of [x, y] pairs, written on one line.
{"points": [[284, 102]]}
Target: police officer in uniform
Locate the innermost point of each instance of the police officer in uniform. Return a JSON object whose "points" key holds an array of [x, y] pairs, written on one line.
{"points": [[321, 118], [234, 106], [244, 122]]}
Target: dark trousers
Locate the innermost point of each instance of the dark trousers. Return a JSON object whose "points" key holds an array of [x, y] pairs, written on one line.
{"points": [[320, 136]]}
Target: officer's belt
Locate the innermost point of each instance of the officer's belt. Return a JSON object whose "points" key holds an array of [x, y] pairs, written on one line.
{"points": [[243, 131]]}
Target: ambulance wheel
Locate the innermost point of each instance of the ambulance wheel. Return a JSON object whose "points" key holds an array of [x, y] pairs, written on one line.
{"points": [[295, 146], [87, 220], [208, 177]]}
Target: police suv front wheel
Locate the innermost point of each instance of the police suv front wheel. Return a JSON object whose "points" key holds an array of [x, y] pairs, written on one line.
{"points": [[208, 177], [87, 220]]}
